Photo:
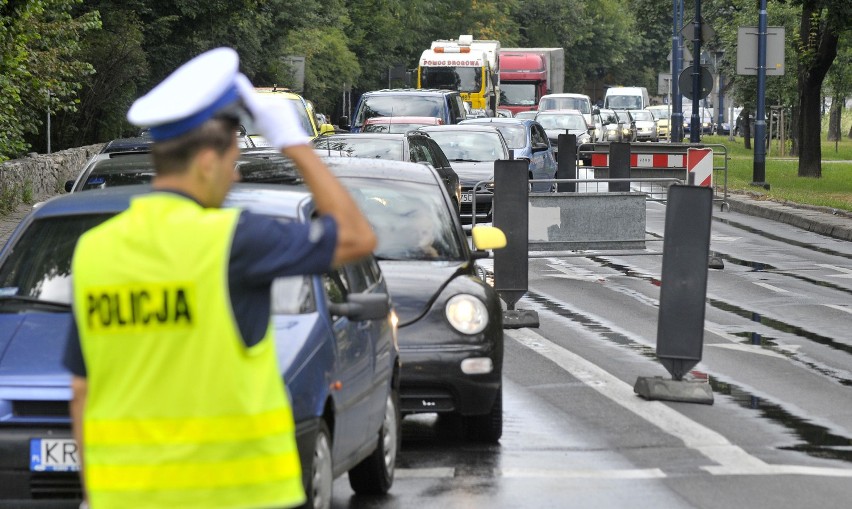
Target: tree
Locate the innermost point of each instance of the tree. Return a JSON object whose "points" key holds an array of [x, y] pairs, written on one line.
{"points": [[839, 85], [39, 66], [822, 23]]}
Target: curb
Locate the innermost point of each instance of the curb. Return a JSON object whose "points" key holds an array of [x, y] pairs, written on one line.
{"points": [[835, 225]]}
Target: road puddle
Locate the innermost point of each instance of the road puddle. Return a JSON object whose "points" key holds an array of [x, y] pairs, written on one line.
{"points": [[813, 439]]}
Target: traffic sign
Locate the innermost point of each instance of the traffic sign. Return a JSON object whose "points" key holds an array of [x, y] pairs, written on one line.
{"points": [[685, 83], [747, 50], [707, 32]]}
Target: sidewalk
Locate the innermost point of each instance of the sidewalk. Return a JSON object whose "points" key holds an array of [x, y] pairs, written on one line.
{"points": [[822, 220]]}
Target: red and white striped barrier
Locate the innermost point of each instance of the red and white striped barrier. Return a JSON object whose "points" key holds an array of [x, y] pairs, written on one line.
{"points": [[645, 160], [699, 163]]}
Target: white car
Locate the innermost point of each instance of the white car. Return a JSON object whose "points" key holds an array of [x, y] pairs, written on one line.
{"points": [[646, 125]]}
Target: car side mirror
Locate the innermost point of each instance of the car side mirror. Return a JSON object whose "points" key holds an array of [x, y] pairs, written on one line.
{"points": [[596, 111], [69, 185], [488, 237], [362, 306], [538, 147], [326, 129], [343, 122]]}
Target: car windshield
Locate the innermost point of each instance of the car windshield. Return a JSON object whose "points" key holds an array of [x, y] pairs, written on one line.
{"points": [[660, 113], [643, 115], [562, 121], [517, 94], [402, 105], [459, 145], [463, 79], [112, 179], [362, 146], [39, 266], [301, 112], [38, 269], [395, 128], [624, 102], [411, 219], [515, 135], [565, 103]]}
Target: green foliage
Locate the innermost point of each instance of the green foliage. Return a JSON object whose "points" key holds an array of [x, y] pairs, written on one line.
{"points": [[328, 63], [39, 48]]}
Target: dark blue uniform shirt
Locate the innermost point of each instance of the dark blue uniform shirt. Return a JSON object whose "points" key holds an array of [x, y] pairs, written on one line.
{"points": [[262, 250]]}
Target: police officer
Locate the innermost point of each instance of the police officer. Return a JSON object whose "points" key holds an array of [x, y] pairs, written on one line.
{"points": [[177, 398]]}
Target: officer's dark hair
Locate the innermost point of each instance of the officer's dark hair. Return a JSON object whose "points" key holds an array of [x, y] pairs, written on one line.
{"points": [[172, 157]]}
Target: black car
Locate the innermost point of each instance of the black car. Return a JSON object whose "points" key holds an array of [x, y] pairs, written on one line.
{"points": [[127, 168], [413, 146], [450, 320]]}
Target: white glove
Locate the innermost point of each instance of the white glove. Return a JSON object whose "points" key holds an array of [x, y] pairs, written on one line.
{"points": [[273, 115]]}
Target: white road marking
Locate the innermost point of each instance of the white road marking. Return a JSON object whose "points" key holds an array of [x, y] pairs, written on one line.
{"points": [[430, 473], [723, 238], [539, 473], [755, 349], [847, 273], [731, 459], [839, 307], [771, 287]]}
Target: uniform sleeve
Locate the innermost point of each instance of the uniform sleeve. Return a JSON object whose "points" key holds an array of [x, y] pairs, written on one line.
{"points": [[264, 248], [73, 358]]}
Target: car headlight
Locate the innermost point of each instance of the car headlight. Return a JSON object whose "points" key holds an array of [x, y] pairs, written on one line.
{"points": [[466, 314]]}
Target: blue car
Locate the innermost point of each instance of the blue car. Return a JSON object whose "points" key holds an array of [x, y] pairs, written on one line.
{"points": [[528, 140], [335, 334]]}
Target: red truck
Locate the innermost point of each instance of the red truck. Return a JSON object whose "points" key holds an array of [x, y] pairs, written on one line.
{"points": [[526, 74]]}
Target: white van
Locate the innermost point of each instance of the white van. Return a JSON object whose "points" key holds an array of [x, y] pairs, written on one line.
{"points": [[626, 98]]}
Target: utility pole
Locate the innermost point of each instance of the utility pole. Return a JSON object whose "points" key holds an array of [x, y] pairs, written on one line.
{"points": [[759, 169], [695, 121], [676, 120]]}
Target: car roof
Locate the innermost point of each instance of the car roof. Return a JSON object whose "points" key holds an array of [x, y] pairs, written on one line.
{"points": [[403, 120], [280, 200], [411, 91], [560, 112], [461, 127], [566, 94], [135, 144], [498, 120]]}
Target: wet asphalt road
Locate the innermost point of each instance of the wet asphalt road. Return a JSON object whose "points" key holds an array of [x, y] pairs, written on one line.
{"points": [[777, 351]]}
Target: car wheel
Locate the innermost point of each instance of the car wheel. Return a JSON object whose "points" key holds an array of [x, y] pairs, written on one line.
{"points": [[321, 478], [487, 427], [374, 475]]}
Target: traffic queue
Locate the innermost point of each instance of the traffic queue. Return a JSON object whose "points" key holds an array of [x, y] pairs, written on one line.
{"points": [[363, 327]]}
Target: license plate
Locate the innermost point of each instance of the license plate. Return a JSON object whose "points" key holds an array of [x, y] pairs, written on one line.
{"points": [[53, 455], [467, 197]]}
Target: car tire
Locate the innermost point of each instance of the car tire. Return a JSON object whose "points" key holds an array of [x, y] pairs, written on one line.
{"points": [[487, 427], [374, 475], [321, 477]]}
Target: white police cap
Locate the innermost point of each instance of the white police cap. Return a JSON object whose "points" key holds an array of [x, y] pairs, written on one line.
{"points": [[189, 96]]}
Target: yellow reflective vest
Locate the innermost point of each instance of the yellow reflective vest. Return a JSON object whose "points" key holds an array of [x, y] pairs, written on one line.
{"points": [[179, 412]]}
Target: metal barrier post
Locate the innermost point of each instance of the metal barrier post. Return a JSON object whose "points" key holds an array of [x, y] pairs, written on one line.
{"points": [[566, 165], [680, 327], [619, 166], [511, 264]]}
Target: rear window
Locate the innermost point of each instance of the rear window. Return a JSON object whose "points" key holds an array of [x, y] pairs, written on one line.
{"points": [[362, 147], [400, 106]]}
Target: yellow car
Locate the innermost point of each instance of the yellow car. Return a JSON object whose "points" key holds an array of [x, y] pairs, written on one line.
{"points": [[303, 109]]}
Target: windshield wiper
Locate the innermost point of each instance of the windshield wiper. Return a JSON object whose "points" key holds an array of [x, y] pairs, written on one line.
{"points": [[25, 300], [465, 160]]}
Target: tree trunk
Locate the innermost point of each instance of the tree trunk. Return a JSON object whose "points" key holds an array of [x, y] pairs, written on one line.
{"points": [[850, 132], [793, 133], [746, 114], [834, 119], [817, 51]]}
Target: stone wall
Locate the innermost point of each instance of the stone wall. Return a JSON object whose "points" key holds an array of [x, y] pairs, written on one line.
{"points": [[40, 176]]}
